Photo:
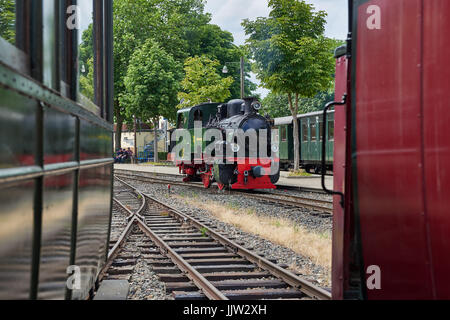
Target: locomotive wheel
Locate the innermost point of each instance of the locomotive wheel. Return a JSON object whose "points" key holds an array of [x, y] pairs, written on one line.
{"points": [[206, 179], [221, 186]]}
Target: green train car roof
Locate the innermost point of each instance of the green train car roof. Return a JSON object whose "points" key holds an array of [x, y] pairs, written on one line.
{"points": [[200, 106], [288, 120]]}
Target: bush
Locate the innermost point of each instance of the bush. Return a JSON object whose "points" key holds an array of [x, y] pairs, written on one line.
{"points": [[162, 156]]}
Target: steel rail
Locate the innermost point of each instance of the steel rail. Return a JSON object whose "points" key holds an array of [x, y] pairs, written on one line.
{"points": [[196, 277], [112, 254], [140, 196], [266, 197], [293, 280], [296, 203], [201, 282], [326, 202]]}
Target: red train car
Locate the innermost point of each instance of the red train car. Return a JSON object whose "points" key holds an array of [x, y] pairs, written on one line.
{"points": [[391, 237]]}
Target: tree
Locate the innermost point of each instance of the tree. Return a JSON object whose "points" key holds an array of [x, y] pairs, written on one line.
{"points": [[291, 54], [203, 83], [8, 20], [151, 84], [217, 44], [86, 61], [170, 23], [182, 29], [277, 105]]}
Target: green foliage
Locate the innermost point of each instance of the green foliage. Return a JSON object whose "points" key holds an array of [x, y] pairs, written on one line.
{"points": [[151, 83], [277, 105], [87, 80], [217, 44], [181, 28], [8, 20], [291, 54], [204, 232], [162, 156], [202, 82]]}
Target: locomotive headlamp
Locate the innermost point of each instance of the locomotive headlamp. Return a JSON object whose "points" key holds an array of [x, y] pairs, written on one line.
{"points": [[235, 147], [256, 105], [275, 148]]}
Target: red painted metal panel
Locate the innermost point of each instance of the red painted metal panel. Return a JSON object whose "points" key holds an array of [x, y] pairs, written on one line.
{"points": [[436, 88], [339, 264], [390, 199]]}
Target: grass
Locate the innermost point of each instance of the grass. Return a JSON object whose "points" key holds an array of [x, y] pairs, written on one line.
{"points": [[203, 231], [157, 163], [299, 173], [283, 232]]}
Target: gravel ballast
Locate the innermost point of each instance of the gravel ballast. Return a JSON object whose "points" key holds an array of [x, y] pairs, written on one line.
{"points": [[304, 217]]}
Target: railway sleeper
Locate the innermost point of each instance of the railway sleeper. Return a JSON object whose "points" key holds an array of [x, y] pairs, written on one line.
{"points": [[230, 285], [185, 244], [255, 294], [217, 249], [188, 256], [193, 239], [228, 267], [122, 263], [121, 270], [211, 262]]}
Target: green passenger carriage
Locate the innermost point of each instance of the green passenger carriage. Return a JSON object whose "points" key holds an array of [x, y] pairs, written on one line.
{"points": [[311, 130]]}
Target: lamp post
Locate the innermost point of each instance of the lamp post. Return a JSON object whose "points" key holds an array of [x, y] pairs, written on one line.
{"points": [[225, 70]]}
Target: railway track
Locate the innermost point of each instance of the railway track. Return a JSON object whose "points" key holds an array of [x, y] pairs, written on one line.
{"points": [[194, 261], [324, 206]]}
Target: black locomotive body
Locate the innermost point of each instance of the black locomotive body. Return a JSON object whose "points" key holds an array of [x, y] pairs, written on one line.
{"points": [[243, 157]]}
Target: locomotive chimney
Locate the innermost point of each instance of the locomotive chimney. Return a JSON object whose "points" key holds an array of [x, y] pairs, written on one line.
{"points": [[251, 106]]}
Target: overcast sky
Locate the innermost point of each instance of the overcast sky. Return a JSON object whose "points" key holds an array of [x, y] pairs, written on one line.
{"points": [[228, 14]]}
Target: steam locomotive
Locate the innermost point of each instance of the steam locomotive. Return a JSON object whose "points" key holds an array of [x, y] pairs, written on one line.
{"points": [[231, 145]]}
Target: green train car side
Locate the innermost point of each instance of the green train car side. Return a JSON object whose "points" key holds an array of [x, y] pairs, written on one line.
{"points": [[187, 117], [311, 130]]}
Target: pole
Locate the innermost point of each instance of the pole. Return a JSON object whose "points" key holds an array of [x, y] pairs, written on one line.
{"points": [[135, 140], [242, 77]]}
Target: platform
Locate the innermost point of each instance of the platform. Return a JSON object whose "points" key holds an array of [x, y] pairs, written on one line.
{"points": [[313, 182], [113, 290]]}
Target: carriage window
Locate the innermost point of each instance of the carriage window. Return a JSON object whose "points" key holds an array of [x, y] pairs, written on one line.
{"points": [[321, 130], [8, 20], [180, 122], [86, 53], [331, 130], [313, 127], [50, 44], [283, 133], [198, 115], [305, 132]]}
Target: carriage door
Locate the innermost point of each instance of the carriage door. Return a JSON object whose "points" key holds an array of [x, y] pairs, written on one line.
{"points": [[387, 148], [314, 145], [436, 80]]}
